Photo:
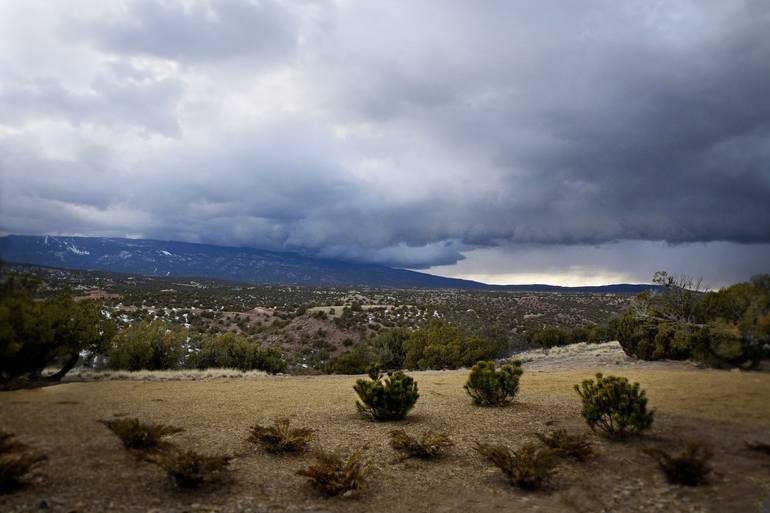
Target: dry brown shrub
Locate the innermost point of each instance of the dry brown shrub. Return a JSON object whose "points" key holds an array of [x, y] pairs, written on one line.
{"points": [[190, 469], [690, 467], [9, 444], [761, 447], [138, 435], [429, 445], [334, 476], [564, 443], [280, 438], [15, 462], [529, 467]]}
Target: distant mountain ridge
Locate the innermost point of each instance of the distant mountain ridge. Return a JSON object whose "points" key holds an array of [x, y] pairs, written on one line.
{"points": [[184, 259]]}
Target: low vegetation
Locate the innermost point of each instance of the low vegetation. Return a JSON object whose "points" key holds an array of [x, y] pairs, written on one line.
{"points": [[490, 387], [388, 397], [16, 462], [138, 435], [614, 406], [576, 446], [280, 438], [190, 469], [529, 467], [760, 447], [724, 328], [429, 445], [690, 467], [333, 475]]}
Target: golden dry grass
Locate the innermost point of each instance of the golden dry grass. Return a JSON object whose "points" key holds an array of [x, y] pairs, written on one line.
{"points": [[89, 471]]}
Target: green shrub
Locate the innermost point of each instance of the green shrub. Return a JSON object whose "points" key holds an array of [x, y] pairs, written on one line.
{"points": [[489, 387], [388, 398], [138, 435], [689, 468], [563, 443], [151, 345], [190, 469], [614, 406], [351, 362], [439, 345], [228, 350], [528, 467], [280, 438], [333, 476], [429, 445], [724, 328]]}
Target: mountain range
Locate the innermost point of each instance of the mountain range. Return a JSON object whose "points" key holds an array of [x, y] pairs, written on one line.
{"points": [[249, 265]]}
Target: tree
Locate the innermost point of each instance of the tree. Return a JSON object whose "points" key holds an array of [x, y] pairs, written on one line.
{"points": [[37, 334]]}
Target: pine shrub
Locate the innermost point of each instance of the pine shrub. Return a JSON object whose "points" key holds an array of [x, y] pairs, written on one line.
{"points": [[429, 445], [490, 387], [690, 467], [386, 398], [529, 467], [564, 443], [190, 469], [279, 438], [138, 435], [615, 406], [333, 476]]}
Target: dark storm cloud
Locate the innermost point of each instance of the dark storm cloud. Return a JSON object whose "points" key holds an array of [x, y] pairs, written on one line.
{"points": [[407, 134]]}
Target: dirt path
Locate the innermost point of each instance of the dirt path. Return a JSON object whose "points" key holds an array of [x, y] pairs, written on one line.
{"points": [[88, 470]]}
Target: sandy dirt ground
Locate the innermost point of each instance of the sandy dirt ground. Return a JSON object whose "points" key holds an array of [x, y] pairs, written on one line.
{"points": [[89, 471]]}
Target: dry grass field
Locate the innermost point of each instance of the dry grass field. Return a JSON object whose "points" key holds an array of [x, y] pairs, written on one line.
{"points": [[89, 471]]}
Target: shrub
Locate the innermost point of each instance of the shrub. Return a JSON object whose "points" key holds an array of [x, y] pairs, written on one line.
{"points": [[578, 447], [333, 476], [14, 467], [429, 445], [689, 468], [190, 469], [440, 345], [760, 447], [280, 438], [153, 345], [15, 464], [528, 467], [8, 443], [551, 336], [137, 435], [388, 398], [489, 387], [615, 406]]}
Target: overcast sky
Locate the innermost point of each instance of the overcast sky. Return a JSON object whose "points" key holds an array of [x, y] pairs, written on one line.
{"points": [[568, 142]]}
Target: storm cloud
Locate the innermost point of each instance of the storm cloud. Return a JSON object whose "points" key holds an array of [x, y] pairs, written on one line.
{"points": [[414, 134]]}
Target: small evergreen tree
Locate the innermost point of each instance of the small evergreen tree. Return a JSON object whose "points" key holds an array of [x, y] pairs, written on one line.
{"points": [[388, 398], [615, 406], [489, 387]]}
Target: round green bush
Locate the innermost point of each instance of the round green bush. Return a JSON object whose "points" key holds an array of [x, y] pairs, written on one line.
{"points": [[490, 387], [614, 406], [386, 398]]}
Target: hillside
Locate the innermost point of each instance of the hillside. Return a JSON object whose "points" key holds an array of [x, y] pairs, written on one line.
{"points": [[183, 259]]}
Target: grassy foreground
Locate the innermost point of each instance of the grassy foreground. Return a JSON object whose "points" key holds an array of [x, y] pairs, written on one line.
{"points": [[88, 470]]}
